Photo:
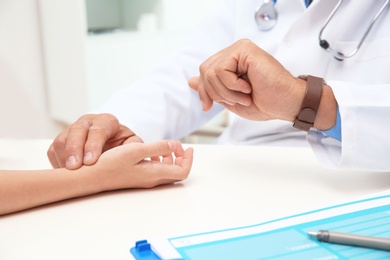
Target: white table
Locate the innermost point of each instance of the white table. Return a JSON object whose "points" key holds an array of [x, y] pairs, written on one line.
{"points": [[228, 186]]}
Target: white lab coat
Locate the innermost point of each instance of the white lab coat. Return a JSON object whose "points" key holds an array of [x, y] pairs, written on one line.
{"points": [[161, 105]]}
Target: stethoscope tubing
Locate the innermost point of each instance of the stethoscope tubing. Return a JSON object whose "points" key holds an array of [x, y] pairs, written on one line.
{"points": [[266, 17], [339, 55]]}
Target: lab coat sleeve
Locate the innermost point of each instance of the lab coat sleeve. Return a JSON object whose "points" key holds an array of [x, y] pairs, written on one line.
{"points": [[365, 123], [161, 105]]}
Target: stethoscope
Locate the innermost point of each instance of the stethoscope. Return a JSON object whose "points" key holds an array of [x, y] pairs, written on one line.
{"points": [[266, 17]]}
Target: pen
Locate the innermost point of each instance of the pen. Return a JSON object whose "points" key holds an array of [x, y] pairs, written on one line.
{"points": [[351, 239]]}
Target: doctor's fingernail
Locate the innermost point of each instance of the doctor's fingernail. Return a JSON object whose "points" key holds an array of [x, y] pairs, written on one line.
{"points": [[225, 102], [72, 160], [246, 104], [247, 91], [88, 156], [201, 101]]}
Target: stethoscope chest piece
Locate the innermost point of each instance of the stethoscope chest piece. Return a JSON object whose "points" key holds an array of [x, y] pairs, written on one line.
{"points": [[266, 15]]}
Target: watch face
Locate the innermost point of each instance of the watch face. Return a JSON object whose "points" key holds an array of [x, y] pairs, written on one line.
{"points": [[266, 16]]}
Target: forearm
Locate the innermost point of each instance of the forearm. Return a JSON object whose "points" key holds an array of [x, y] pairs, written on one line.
{"points": [[21, 190]]}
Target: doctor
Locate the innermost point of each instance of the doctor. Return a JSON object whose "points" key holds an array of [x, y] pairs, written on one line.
{"points": [[355, 67]]}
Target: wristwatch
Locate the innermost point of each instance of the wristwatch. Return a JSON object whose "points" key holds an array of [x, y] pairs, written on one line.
{"points": [[311, 102]]}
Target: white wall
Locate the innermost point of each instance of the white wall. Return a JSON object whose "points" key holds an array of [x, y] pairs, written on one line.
{"points": [[115, 60], [23, 106], [52, 72], [63, 26]]}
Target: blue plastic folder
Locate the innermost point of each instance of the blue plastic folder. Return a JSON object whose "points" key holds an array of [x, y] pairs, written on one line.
{"points": [[284, 238]]}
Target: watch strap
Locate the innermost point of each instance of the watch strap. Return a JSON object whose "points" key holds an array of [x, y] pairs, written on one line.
{"points": [[310, 104]]}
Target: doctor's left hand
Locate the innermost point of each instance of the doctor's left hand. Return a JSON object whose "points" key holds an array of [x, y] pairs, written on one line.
{"points": [[249, 82], [84, 141]]}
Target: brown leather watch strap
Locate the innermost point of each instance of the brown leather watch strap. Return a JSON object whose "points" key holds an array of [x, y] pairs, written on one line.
{"points": [[310, 104]]}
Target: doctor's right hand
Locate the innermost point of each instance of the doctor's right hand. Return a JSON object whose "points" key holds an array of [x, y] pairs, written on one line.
{"points": [[252, 84], [84, 141], [249, 82]]}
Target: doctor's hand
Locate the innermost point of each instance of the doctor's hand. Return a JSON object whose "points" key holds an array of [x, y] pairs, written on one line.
{"points": [[251, 83], [84, 141]]}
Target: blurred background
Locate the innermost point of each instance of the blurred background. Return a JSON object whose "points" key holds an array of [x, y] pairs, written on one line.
{"points": [[60, 59]]}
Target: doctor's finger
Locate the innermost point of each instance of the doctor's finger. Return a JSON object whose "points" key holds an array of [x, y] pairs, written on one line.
{"points": [[56, 151], [52, 157], [193, 83], [239, 90], [234, 81], [205, 99], [132, 139], [221, 92], [196, 84], [75, 142], [105, 133]]}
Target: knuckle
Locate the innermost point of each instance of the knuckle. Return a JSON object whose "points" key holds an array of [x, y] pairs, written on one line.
{"points": [[210, 74], [92, 145], [107, 122], [203, 68], [138, 139], [109, 118], [99, 130], [125, 131], [57, 144], [71, 148], [80, 125], [219, 70], [243, 41], [50, 152]]}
